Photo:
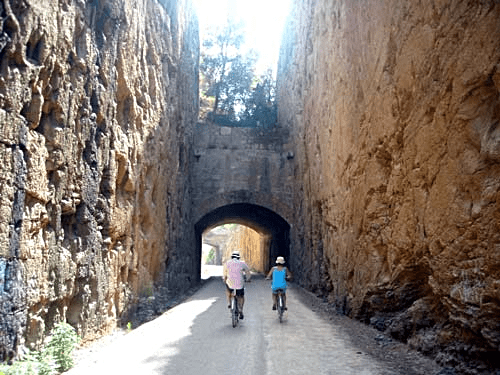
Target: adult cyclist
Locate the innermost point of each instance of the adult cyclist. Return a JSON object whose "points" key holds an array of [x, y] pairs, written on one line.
{"points": [[233, 273], [279, 275]]}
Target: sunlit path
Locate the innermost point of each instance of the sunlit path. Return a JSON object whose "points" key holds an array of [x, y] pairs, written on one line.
{"points": [[208, 271], [196, 337]]}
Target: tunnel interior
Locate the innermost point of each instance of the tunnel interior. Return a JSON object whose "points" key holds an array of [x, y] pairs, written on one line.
{"points": [[259, 218]]}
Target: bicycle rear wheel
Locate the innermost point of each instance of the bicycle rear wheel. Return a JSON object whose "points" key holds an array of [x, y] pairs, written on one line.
{"points": [[234, 311], [281, 308]]}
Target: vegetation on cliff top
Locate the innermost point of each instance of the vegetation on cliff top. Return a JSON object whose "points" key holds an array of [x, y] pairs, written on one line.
{"points": [[230, 87]]}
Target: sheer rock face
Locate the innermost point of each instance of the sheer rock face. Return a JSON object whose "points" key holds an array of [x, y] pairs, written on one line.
{"points": [[93, 95], [394, 108], [252, 246]]}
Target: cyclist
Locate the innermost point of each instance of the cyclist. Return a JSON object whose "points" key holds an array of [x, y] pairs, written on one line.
{"points": [[279, 274], [232, 275]]}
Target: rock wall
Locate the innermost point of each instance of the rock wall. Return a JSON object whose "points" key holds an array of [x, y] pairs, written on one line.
{"points": [[394, 108], [253, 247], [97, 100]]}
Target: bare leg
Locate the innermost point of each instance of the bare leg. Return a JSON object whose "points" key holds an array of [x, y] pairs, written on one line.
{"points": [[275, 301], [228, 295], [241, 302]]}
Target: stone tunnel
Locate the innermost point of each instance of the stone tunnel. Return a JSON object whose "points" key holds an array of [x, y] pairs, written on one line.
{"points": [[380, 182], [243, 176], [267, 223]]}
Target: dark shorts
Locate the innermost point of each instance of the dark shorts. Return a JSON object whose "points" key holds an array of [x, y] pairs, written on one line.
{"points": [[239, 292], [275, 291]]}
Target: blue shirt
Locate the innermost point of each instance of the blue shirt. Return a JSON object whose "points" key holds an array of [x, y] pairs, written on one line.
{"points": [[279, 281]]}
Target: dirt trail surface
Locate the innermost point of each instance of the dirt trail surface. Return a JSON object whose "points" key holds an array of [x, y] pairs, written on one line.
{"points": [[196, 337]]}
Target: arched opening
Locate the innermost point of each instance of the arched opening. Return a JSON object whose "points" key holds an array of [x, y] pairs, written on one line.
{"points": [[274, 231], [218, 244]]}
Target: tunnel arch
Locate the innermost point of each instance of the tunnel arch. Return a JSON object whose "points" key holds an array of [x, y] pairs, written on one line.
{"points": [[258, 218]]}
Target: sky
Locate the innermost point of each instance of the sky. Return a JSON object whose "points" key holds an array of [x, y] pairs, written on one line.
{"points": [[264, 21]]}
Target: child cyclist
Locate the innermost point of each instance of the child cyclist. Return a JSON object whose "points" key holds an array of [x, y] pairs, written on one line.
{"points": [[279, 275]]}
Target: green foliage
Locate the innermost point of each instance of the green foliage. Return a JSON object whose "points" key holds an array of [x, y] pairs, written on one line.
{"points": [[46, 363], [129, 326], [147, 290], [235, 88], [260, 107], [62, 342], [18, 368], [240, 97], [55, 357], [210, 256], [226, 74], [35, 363]]}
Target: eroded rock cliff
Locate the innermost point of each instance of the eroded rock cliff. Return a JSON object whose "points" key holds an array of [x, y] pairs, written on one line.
{"points": [[96, 103], [394, 108]]}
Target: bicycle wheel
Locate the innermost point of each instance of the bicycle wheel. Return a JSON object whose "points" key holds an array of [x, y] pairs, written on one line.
{"points": [[281, 308], [234, 311]]}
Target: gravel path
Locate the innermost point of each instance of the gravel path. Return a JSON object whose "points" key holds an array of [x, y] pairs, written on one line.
{"points": [[196, 337]]}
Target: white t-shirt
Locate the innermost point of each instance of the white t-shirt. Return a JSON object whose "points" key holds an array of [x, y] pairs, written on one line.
{"points": [[233, 269]]}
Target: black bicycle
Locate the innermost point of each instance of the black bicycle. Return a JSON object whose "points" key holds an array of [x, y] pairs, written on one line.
{"points": [[280, 303], [235, 314]]}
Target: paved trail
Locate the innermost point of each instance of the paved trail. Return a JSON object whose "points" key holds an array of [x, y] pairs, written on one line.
{"points": [[196, 337]]}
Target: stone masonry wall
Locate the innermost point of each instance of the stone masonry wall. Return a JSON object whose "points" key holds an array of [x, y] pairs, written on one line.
{"points": [[96, 101], [394, 110], [241, 165]]}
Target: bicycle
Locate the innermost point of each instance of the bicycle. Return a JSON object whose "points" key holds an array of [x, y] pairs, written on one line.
{"points": [[235, 314], [280, 304]]}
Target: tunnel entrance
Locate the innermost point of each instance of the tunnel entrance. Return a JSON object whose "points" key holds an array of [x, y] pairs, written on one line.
{"points": [[218, 244], [273, 229]]}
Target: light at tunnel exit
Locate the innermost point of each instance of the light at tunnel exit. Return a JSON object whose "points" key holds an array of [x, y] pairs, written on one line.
{"points": [[219, 242]]}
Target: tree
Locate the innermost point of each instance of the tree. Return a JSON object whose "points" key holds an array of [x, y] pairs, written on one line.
{"points": [[235, 88], [221, 48], [260, 108], [240, 97], [227, 73]]}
